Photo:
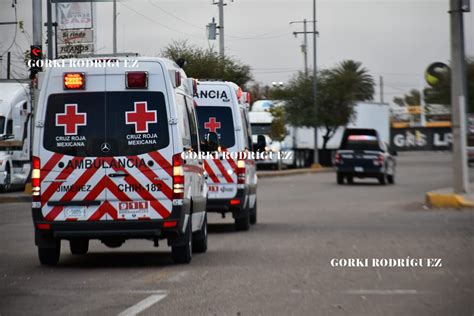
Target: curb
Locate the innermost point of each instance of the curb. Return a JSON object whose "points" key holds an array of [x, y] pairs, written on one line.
{"points": [[447, 200], [283, 173]]}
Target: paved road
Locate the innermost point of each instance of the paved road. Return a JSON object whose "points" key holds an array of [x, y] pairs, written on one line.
{"points": [[280, 267]]}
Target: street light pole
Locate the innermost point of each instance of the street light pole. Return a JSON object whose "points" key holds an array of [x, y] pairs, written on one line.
{"points": [[458, 99], [115, 28]]}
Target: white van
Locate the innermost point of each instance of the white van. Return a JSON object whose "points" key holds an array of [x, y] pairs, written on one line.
{"points": [[107, 160], [232, 182]]}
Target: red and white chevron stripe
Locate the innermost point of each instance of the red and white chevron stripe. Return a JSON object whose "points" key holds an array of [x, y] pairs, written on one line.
{"points": [[104, 188]]}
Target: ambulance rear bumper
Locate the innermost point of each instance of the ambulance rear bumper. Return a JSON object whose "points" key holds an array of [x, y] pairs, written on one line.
{"points": [[225, 206], [129, 229]]}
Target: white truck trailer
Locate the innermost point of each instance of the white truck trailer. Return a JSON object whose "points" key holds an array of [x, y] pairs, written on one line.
{"points": [[15, 134], [299, 141]]}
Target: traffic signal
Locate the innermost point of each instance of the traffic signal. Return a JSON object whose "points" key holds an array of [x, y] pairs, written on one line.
{"points": [[36, 54]]}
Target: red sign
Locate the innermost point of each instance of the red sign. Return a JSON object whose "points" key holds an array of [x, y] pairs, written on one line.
{"points": [[212, 125], [71, 119], [140, 117]]}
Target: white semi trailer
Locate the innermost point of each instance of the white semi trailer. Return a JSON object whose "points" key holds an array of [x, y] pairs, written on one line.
{"points": [[299, 141], [15, 134]]}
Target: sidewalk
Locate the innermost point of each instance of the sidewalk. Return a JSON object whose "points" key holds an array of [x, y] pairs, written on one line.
{"points": [[446, 198]]}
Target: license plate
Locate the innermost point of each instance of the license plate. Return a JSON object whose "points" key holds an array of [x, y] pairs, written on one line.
{"points": [[75, 211], [359, 169]]}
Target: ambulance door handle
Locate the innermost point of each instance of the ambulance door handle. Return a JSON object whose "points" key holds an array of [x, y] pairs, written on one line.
{"points": [[118, 174]]}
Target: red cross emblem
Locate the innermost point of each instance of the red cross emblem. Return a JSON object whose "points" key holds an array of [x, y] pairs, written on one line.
{"points": [[140, 117], [71, 119], [212, 125]]}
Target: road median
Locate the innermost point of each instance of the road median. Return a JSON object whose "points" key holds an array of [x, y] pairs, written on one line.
{"points": [[446, 198], [291, 172]]}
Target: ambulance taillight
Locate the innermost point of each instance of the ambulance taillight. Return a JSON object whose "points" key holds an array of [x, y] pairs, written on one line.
{"points": [[36, 179], [240, 171], [74, 81], [136, 80], [178, 177]]}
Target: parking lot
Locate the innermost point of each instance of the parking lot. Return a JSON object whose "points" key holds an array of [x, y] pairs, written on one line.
{"points": [[281, 266]]}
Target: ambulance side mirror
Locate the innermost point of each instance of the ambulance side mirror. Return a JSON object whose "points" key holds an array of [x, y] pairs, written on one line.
{"points": [[212, 141], [261, 143]]}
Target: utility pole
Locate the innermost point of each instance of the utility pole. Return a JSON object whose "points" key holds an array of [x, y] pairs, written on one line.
{"points": [[37, 22], [458, 96], [304, 47], [315, 33], [221, 4], [315, 88], [115, 28], [49, 24], [381, 88]]}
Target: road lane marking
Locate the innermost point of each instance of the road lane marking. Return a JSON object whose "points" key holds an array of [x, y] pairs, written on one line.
{"points": [[381, 292], [144, 304]]}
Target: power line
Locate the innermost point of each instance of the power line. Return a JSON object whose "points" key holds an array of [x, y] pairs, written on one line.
{"points": [[158, 23], [16, 29], [174, 15]]}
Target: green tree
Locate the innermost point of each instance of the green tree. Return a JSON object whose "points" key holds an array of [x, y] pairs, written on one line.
{"points": [[412, 98], [278, 131], [339, 89], [207, 64]]}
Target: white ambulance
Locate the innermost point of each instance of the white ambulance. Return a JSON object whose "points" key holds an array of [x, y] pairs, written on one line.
{"points": [[222, 108], [107, 160]]}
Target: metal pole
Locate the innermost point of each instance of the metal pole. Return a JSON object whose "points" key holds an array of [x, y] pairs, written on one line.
{"points": [[55, 24], [305, 52], [381, 88], [316, 156], [221, 27], [458, 99], [8, 64], [37, 23], [115, 28], [49, 28]]}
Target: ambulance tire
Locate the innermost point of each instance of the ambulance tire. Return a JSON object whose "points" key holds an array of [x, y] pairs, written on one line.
{"points": [[184, 253], [6, 186], [79, 246], [50, 256], [243, 223], [253, 214], [200, 238]]}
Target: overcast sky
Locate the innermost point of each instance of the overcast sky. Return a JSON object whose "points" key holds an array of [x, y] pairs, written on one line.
{"points": [[396, 39]]}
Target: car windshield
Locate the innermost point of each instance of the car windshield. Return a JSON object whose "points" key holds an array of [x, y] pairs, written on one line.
{"points": [[259, 129], [217, 119], [129, 123]]}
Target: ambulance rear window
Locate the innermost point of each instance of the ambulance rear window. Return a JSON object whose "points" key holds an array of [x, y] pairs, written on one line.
{"points": [[217, 119], [98, 124]]}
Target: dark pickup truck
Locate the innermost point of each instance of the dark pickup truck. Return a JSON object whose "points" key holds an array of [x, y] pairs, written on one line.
{"points": [[363, 155]]}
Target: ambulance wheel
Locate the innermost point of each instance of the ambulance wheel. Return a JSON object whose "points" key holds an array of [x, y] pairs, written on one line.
{"points": [[184, 253], [253, 214], [49, 256], [243, 223], [340, 178], [79, 246], [7, 182], [200, 238]]}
